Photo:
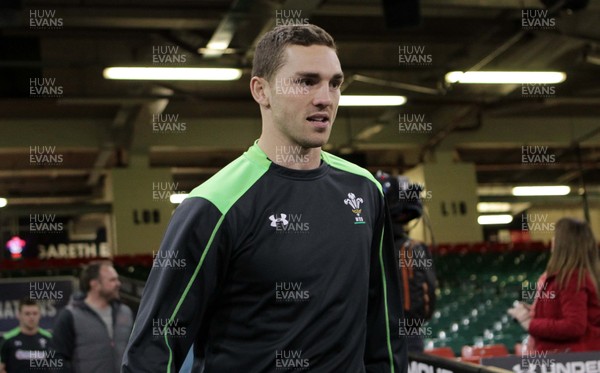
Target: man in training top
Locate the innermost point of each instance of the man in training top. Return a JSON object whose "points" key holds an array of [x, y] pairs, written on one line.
{"points": [[26, 348], [282, 261]]}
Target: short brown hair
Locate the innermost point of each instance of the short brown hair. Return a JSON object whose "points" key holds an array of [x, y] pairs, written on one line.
{"points": [[92, 272], [27, 302], [268, 57]]}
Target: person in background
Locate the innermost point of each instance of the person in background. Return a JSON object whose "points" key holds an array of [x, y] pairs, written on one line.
{"points": [[26, 347], [414, 258], [565, 315], [90, 334]]}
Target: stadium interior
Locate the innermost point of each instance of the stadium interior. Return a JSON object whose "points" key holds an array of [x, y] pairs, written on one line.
{"points": [[88, 165]]}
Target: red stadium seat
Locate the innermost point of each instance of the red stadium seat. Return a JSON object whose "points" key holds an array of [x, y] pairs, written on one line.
{"points": [[484, 351], [480, 248], [442, 352], [441, 249], [471, 359]]}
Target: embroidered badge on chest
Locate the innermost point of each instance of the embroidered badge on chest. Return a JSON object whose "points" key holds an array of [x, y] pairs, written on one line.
{"points": [[355, 202]]}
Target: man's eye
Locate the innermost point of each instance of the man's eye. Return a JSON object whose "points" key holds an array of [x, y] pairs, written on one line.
{"points": [[306, 82], [336, 84]]}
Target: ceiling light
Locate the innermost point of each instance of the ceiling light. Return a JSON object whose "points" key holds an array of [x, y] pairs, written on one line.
{"points": [[3, 202], [506, 77], [177, 198], [217, 45], [216, 48], [215, 51], [493, 207], [494, 219], [346, 100], [171, 73], [559, 190]]}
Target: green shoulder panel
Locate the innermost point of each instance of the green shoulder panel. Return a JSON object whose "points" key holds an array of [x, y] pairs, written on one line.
{"points": [[225, 187], [12, 333], [342, 164], [45, 333]]}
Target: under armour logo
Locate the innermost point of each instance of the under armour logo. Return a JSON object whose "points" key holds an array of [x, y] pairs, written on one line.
{"points": [[278, 220]]}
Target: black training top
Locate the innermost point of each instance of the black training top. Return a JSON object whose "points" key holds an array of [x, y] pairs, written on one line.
{"points": [[269, 269], [22, 353]]}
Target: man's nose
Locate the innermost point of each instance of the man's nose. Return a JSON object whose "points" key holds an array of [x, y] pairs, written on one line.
{"points": [[323, 96]]}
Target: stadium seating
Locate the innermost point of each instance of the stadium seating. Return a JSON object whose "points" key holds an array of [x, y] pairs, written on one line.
{"points": [[478, 283]]}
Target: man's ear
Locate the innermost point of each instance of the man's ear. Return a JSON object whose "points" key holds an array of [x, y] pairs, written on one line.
{"points": [[96, 280], [261, 91]]}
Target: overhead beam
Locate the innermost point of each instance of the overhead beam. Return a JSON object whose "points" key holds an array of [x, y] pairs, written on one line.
{"points": [[126, 18], [226, 29]]}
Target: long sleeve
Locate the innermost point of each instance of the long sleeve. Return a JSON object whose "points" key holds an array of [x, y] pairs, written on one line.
{"points": [[386, 349], [180, 290], [573, 308], [3, 352], [63, 339]]}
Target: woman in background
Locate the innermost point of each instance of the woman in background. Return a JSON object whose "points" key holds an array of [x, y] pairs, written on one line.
{"points": [[566, 313]]}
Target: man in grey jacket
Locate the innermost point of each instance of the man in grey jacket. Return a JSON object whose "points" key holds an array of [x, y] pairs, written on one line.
{"points": [[91, 333]]}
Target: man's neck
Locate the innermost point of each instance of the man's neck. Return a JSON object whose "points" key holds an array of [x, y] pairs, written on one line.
{"points": [[27, 331], [289, 155], [96, 301]]}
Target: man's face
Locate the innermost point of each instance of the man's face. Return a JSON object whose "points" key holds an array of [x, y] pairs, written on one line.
{"points": [[305, 93], [108, 283], [29, 316]]}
